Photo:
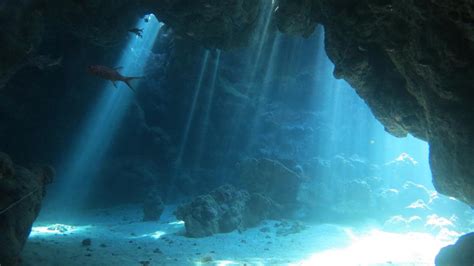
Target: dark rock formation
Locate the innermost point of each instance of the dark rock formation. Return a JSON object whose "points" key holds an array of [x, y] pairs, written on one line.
{"points": [[411, 61], [459, 254], [29, 24], [224, 210], [153, 207], [86, 242], [7, 169], [222, 24], [21, 193], [272, 179]]}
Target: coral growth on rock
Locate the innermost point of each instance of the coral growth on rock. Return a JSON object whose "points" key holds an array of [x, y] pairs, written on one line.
{"points": [[223, 210]]}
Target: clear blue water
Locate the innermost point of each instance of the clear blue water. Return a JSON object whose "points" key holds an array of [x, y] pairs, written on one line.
{"points": [[89, 147], [362, 187]]}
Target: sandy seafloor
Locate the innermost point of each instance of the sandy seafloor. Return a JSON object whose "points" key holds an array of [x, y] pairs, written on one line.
{"points": [[120, 237]]}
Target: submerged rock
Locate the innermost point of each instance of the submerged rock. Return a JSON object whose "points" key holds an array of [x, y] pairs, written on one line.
{"points": [[224, 210], [86, 242], [223, 24], [459, 254], [219, 211], [287, 228], [153, 207], [411, 64], [21, 193], [271, 179]]}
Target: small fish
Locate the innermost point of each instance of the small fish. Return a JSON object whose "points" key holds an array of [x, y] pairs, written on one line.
{"points": [[111, 74], [137, 32]]}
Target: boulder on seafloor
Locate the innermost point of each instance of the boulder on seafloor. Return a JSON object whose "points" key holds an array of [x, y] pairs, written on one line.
{"points": [[459, 254], [223, 210], [21, 193], [271, 179], [153, 207]]}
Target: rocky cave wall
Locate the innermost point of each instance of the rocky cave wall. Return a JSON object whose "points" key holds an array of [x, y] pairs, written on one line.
{"points": [[411, 61]]}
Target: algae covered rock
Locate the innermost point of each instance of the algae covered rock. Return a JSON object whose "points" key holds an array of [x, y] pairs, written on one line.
{"points": [[217, 212], [223, 210], [260, 207]]}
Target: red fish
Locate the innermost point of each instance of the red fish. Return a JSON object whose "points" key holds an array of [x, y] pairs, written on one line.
{"points": [[111, 74]]}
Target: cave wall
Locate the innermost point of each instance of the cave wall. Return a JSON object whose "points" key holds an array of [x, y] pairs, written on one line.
{"points": [[409, 60]]}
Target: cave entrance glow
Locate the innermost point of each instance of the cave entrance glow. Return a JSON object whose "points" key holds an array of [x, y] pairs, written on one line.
{"points": [[364, 197], [99, 129]]}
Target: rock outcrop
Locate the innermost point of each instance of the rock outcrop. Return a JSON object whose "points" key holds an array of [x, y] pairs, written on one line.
{"points": [[224, 210], [272, 179], [217, 24], [459, 254], [411, 61], [153, 207], [21, 193]]}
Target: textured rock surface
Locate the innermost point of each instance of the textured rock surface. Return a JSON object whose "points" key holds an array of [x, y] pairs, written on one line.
{"points": [[27, 187], [222, 24], [411, 61], [272, 179], [459, 254], [153, 207], [29, 25], [224, 210]]}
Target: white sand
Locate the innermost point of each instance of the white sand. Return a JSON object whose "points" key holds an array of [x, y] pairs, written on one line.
{"points": [[119, 237]]}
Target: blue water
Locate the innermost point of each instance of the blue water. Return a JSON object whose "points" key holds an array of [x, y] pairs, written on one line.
{"points": [[90, 146], [192, 109], [277, 99]]}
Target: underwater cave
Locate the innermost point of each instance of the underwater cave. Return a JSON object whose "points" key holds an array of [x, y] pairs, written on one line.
{"points": [[236, 132]]}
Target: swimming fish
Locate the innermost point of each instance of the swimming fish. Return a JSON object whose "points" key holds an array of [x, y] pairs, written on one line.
{"points": [[137, 32], [111, 74]]}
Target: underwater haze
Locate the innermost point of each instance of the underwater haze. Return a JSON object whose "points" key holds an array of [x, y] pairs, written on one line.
{"points": [[250, 156]]}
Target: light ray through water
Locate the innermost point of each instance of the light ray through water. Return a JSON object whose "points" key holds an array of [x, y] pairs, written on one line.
{"points": [[207, 111], [257, 64], [87, 153], [192, 109]]}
